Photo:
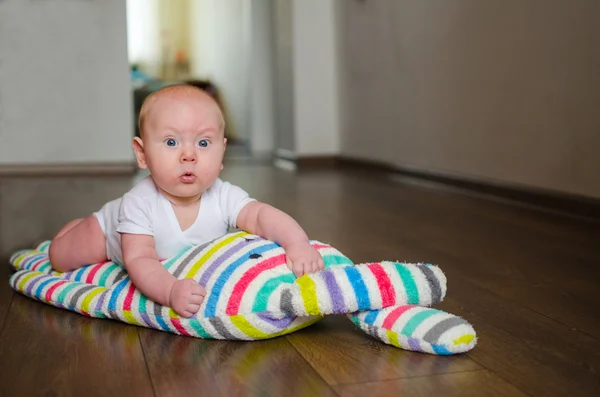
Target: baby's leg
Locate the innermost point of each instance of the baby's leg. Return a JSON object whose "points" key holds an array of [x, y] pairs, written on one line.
{"points": [[79, 243]]}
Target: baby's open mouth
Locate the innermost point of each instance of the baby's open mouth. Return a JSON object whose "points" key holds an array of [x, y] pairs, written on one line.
{"points": [[188, 177]]}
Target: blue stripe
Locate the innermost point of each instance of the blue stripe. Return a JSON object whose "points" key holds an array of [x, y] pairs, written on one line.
{"points": [[372, 316], [359, 287], [78, 274], [40, 287], [112, 304], [29, 261], [211, 305], [441, 350], [162, 323]]}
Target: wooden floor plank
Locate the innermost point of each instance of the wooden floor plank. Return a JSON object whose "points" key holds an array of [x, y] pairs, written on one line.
{"points": [[527, 280], [531, 351], [6, 292], [533, 268], [341, 353], [461, 384], [45, 351], [182, 366]]}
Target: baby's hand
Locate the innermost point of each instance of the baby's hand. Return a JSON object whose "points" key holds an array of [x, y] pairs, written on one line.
{"points": [[186, 297], [303, 258]]}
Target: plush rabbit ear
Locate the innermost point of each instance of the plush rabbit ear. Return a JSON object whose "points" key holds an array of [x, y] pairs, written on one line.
{"points": [[417, 328], [369, 286]]}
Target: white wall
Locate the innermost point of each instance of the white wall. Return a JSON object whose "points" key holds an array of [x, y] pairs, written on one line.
{"points": [[143, 35], [220, 51], [64, 82], [262, 113], [504, 92], [316, 109]]}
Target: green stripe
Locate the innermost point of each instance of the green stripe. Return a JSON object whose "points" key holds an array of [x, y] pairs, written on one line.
{"points": [[44, 267], [64, 292], [105, 274], [170, 262], [412, 292], [334, 260], [416, 320], [198, 328], [44, 247], [262, 297], [142, 303]]}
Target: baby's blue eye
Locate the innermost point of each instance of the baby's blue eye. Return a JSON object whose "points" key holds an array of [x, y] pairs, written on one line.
{"points": [[203, 143], [171, 142]]}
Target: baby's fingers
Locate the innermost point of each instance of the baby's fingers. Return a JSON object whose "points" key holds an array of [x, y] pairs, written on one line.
{"points": [[195, 299], [320, 264], [299, 269], [197, 289]]}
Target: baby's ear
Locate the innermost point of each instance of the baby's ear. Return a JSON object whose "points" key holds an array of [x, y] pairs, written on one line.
{"points": [[140, 155]]}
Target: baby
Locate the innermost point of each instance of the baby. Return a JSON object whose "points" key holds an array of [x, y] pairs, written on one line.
{"points": [[182, 203]]}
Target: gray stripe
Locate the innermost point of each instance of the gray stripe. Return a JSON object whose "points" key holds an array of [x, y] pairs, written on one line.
{"points": [[434, 284], [286, 302], [188, 258], [120, 276], [80, 291], [220, 327], [15, 281], [113, 314], [158, 309], [371, 330], [434, 333]]}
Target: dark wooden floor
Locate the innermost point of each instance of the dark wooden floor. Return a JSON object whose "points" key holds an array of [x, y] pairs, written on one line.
{"points": [[528, 281]]}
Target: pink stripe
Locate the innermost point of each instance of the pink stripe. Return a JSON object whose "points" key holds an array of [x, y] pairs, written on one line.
{"points": [[52, 289], [394, 314], [129, 298], [179, 327], [238, 291], [388, 295], [90, 277], [38, 263]]}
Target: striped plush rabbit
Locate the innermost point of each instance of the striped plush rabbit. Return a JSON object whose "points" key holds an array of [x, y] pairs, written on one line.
{"points": [[251, 294]]}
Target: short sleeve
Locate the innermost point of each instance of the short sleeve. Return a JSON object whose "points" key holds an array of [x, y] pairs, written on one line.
{"points": [[231, 200], [134, 216]]}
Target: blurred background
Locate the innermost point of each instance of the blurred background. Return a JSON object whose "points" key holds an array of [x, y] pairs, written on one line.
{"points": [[498, 91]]}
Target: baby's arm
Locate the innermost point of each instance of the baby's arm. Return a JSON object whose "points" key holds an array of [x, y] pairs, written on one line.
{"points": [[154, 281], [270, 223]]}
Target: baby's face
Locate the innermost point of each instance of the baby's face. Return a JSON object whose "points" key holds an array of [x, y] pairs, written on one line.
{"points": [[184, 145]]}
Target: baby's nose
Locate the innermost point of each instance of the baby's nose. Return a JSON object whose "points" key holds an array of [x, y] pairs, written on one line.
{"points": [[188, 154]]}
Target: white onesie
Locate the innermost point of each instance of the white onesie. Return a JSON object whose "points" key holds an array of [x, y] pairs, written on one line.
{"points": [[144, 210]]}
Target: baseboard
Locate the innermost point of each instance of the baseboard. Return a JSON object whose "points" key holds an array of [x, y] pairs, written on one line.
{"points": [[75, 169], [554, 201]]}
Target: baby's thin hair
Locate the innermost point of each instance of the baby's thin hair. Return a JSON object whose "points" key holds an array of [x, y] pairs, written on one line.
{"points": [[186, 89]]}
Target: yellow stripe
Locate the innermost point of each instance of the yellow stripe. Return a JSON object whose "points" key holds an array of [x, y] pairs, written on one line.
{"points": [[244, 325], [27, 278], [192, 272], [20, 259], [393, 337], [247, 328], [296, 328], [466, 339], [85, 305], [308, 291], [129, 317]]}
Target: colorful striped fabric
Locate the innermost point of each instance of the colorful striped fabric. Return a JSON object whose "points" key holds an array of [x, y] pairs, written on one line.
{"points": [[251, 294]]}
